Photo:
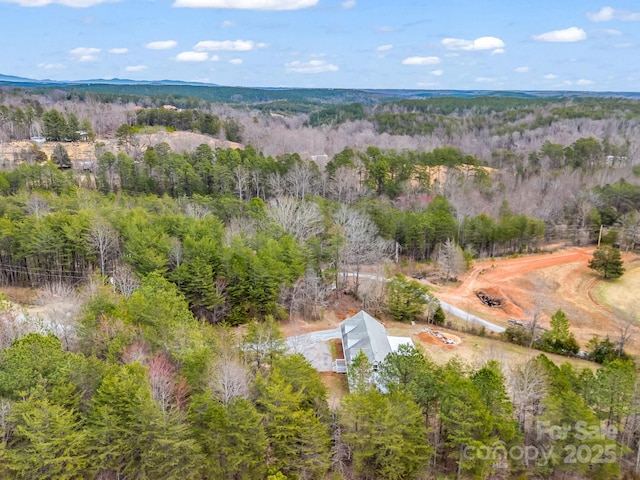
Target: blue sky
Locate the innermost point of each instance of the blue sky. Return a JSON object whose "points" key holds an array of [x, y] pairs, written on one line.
{"points": [[446, 44]]}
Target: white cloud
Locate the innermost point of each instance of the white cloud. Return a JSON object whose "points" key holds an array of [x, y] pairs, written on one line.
{"points": [[192, 57], [571, 34], [604, 15], [384, 48], [498, 51], [348, 4], [437, 73], [247, 4], [522, 69], [214, 58], [313, 66], [119, 51], [66, 3], [227, 45], [583, 82], [628, 16], [83, 54], [421, 61], [161, 45], [550, 76], [610, 31], [135, 68], [482, 43], [607, 13], [227, 24], [235, 61], [485, 79], [51, 66]]}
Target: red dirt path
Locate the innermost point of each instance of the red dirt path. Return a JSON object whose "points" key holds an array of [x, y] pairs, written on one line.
{"points": [[560, 280]]}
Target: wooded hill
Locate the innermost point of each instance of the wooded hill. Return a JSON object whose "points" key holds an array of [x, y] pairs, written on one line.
{"points": [[147, 259]]}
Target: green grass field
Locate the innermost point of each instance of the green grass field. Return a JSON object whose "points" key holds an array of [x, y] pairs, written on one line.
{"points": [[621, 294]]}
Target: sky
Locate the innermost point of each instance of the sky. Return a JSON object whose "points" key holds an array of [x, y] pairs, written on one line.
{"points": [[446, 44]]}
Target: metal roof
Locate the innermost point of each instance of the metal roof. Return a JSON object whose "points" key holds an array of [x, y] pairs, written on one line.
{"points": [[363, 332]]}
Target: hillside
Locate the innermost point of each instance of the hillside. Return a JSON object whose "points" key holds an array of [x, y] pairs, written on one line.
{"points": [[80, 152], [157, 287]]}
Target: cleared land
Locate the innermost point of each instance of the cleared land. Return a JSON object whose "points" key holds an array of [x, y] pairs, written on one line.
{"points": [[560, 280], [78, 152]]}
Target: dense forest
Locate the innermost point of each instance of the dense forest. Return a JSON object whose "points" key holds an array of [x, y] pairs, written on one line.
{"points": [[164, 273]]}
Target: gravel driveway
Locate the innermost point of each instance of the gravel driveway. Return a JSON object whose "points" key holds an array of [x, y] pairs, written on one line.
{"points": [[315, 347]]}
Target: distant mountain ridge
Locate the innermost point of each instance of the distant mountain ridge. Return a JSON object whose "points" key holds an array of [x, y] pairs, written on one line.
{"points": [[238, 94], [10, 79]]}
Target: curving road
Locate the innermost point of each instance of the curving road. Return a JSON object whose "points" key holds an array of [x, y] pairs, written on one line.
{"points": [[447, 307], [467, 317]]}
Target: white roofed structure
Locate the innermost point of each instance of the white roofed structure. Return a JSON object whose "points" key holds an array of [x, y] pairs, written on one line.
{"points": [[363, 332]]}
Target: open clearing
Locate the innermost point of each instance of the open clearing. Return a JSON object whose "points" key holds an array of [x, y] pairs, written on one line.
{"points": [[560, 280], [621, 294]]}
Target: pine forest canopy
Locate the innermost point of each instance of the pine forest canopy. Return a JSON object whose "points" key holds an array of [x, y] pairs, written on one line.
{"points": [[157, 251]]}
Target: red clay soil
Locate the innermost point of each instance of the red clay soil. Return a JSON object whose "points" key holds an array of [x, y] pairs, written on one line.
{"points": [[560, 280], [506, 305], [430, 339], [337, 347]]}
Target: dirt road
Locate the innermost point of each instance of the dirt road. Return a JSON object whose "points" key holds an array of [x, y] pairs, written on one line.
{"points": [[560, 280]]}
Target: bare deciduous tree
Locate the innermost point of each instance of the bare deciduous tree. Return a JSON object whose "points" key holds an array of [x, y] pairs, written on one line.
{"points": [[228, 376], [196, 211], [262, 342], [309, 295], [61, 307], [106, 243], [15, 324], [345, 185], [626, 330], [527, 387], [125, 280], [135, 352], [176, 254], [303, 219], [374, 293], [535, 317], [241, 175], [37, 206], [450, 259], [239, 226], [162, 379], [362, 244], [302, 180], [277, 185], [6, 421]]}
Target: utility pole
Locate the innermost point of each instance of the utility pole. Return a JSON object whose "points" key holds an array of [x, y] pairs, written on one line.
{"points": [[600, 235]]}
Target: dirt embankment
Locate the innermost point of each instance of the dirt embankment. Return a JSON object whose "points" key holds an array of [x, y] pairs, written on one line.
{"points": [[548, 282], [179, 142]]}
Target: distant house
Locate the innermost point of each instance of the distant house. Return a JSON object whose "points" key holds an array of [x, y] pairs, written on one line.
{"points": [[82, 135], [364, 333], [170, 107]]}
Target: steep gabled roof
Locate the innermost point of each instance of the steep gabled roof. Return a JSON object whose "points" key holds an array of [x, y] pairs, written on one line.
{"points": [[363, 332]]}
